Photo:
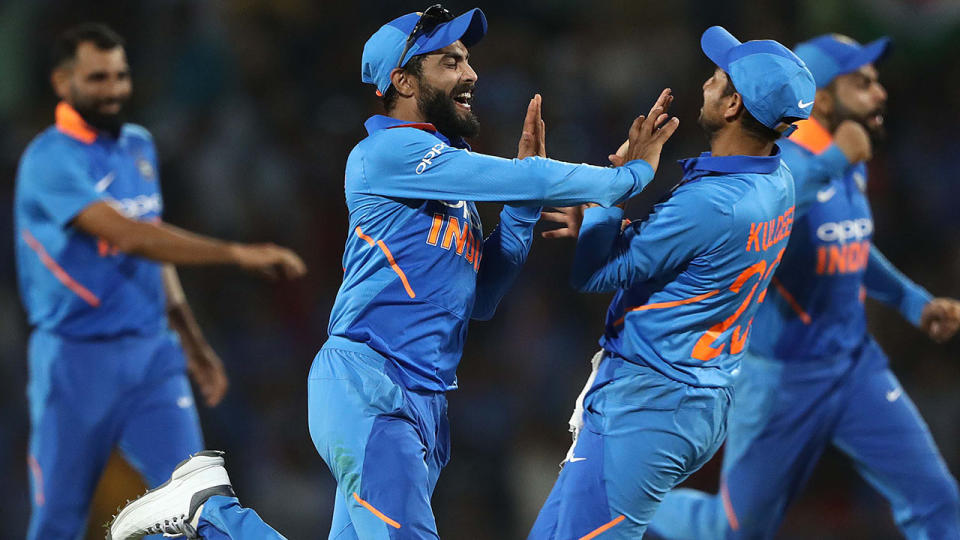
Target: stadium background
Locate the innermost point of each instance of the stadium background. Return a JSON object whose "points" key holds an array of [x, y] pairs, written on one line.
{"points": [[255, 104]]}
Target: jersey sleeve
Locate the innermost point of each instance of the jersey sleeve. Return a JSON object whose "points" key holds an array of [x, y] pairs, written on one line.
{"points": [[888, 285], [419, 166], [812, 172], [678, 229], [61, 185], [504, 253]]}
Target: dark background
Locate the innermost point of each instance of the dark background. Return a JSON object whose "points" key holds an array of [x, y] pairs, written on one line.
{"points": [[255, 104]]}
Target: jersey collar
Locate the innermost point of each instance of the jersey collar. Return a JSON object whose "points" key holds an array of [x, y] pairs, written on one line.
{"points": [[70, 123], [379, 122], [812, 136], [706, 164]]}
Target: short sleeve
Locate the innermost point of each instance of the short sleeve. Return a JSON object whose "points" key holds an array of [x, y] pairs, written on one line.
{"points": [[61, 185]]}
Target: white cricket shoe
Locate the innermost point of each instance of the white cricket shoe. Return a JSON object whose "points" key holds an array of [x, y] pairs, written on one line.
{"points": [[172, 509]]}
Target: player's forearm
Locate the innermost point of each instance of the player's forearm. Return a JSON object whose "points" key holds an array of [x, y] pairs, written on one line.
{"points": [[565, 184], [888, 285], [595, 265], [504, 253], [534, 181], [179, 314], [165, 243]]}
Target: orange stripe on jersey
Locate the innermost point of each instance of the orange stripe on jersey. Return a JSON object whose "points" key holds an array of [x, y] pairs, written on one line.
{"points": [[69, 122], [812, 136], [393, 263], [364, 237], [603, 528], [662, 305], [58, 270], [376, 512], [417, 125], [396, 268], [804, 316]]}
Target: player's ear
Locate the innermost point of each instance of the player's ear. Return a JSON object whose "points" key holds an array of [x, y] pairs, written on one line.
{"points": [[403, 81], [734, 105], [60, 80]]}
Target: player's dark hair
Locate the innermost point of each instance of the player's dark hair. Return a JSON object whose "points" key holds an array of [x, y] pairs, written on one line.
{"points": [[100, 35], [751, 125], [414, 67]]}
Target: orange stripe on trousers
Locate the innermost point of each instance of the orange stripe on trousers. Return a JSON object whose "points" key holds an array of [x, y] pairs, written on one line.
{"points": [[58, 270], [393, 263], [602, 528], [728, 507], [37, 479], [376, 512]]}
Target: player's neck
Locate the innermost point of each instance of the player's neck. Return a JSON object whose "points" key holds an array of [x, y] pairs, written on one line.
{"points": [[408, 111], [733, 142]]}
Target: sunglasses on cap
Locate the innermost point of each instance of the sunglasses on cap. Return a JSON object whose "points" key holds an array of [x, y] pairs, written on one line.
{"points": [[432, 17]]}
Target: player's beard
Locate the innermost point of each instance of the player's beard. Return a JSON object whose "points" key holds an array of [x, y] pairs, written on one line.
{"points": [[709, 125], [89, 110], [441, 110], [876, 130]]}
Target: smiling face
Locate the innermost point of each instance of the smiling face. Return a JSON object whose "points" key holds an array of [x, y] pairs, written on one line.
{"points": [[445, 91], [96, 82], [858, 96]]}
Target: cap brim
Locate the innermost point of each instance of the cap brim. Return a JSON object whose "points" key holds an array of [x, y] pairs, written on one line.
{"points": [[717, 43], [468, 28], [871, 52]]}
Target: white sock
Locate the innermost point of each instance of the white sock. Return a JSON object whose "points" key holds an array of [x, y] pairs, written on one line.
{"points": [[195, 522]]}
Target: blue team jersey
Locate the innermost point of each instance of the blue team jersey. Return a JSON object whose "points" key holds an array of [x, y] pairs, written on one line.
{"points": [[416, 265], [71, 283], [816, 306], [689, 278]]}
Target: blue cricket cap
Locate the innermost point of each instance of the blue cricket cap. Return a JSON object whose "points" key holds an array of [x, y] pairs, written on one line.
{"points": [[831, 55], [381, 53], [776, 86]]}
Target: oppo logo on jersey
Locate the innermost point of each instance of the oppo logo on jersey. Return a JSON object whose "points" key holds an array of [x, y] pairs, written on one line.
{"points": [[138, 206], [850, 249], [847, 230], [428, 158]]}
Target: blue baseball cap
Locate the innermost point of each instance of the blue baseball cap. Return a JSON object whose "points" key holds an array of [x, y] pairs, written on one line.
{"points": [[776, 86], [381, 53], [830, 55]]}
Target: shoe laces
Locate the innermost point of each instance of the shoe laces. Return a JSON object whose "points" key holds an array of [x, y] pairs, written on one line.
{"points": [[174, 527]]}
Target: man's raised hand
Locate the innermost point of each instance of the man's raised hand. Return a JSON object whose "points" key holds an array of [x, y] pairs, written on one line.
{"points": [[533, 138], [649, 133]]}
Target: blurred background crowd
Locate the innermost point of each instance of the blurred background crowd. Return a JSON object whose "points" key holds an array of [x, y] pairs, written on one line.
{"points": [[255, 105]]}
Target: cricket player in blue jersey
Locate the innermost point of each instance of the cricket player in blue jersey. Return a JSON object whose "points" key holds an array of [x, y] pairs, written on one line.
{"points": [[105, 370], [688, 280], [813, 377], [416, 270]]}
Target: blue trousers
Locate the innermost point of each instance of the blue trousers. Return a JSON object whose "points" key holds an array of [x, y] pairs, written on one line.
{"points": [[785, 415], [643, 434], [86, 397], [222, 518], [384, 444]]}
